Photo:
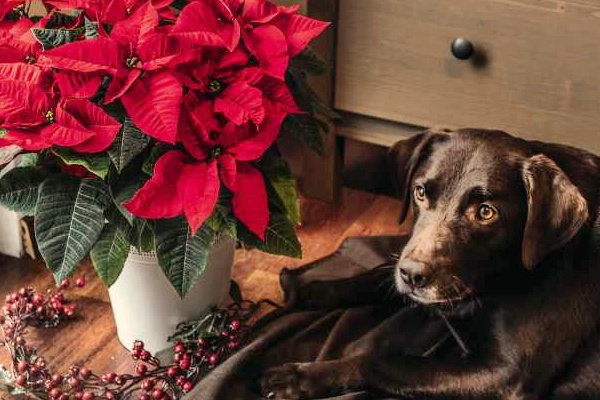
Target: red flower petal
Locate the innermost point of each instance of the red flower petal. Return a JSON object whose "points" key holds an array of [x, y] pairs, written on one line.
{"points": [[192, 139], [268, 44], [240, 102], [77, 85], [94, 55], [158, 51], [135, 29], [201, 117], [253, 148], [228, 171], [158, 198], [249, 203], [118, 86], [67, 131], [26, 140], [95, 119], [200, 23], [199, 187], [263, 12], [153, 103], [299, 31]]}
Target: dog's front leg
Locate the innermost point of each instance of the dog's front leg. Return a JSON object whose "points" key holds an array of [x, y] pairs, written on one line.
{"points": [[313, 380]]}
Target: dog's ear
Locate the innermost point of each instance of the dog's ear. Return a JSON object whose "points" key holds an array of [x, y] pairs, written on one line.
{"points": [[403, 159], [556, 210]]}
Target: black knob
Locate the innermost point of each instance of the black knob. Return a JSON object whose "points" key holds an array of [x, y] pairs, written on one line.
{"points": [[462, 49]]}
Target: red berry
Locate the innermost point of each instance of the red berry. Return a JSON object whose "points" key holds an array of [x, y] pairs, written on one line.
{"points": [[144, 397], [109, 395], [79, 395], [85, 373], [213, 359], [148, 385], [69, 310], [37, 299], [177, 357], [185, 364], [21, 380], [20, 340], [173, 372], [14, 297], [57, 379], [233, 344], [187, 386], [73, 370], [65, 284], [80, 282], [48, 384], [73, 382], [109, 377], [141, 369], [179, 347], [33, 370], [22, 366], [145, 355], [88, 396], [201, 343], [55, 393], [180, 381], [63, 397], [158, 393]]}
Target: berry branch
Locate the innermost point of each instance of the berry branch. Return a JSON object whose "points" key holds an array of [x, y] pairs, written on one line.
{"points": [[199, 346]]}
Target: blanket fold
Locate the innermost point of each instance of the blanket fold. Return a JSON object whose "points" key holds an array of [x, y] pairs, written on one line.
{"points": [[332, 311]]}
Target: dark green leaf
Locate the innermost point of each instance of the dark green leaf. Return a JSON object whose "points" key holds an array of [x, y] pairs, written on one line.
{"points": [[310, 62], [110, 252], [51, 38], [280, 237], [19, 189], [181, 256], [155, 154], [98, 164], [283, 182], [69, 218], [91, 29], [305, 129], [221, 220], [129, 143]]}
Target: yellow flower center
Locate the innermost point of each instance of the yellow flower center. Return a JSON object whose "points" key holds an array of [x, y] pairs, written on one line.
{"points": [[49, 117]]}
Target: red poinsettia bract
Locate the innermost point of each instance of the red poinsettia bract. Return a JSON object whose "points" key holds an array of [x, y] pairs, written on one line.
{"points": [[37, 112], [135, 56]]}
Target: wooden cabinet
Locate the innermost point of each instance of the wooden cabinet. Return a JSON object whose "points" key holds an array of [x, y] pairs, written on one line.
{"points": [[535, 72]]}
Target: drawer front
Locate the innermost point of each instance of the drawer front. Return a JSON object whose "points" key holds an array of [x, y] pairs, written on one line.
{"points": [[537, 73]]}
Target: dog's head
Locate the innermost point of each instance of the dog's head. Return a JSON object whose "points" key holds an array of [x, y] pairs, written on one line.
{"points": [[481, 202]]}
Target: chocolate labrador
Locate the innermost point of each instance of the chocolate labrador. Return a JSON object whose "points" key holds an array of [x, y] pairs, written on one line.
{"points": [[504, 243]]}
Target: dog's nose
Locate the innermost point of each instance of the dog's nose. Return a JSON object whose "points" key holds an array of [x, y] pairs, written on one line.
{"points": [[413, 273]]}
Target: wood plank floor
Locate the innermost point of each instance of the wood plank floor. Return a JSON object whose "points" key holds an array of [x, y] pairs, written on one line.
{"points": [[91, 339]]}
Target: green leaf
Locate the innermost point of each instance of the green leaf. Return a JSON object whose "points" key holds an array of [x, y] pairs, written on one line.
{"points": [[305, 129], [91, 29], [51, 38], [283, 182], [181, 256], [130, 142], [98, 164], [310, 62], [28, 160], [221, 220], [19, 189], [110, 252], [280, 237], [69, 218], [155, 154]]}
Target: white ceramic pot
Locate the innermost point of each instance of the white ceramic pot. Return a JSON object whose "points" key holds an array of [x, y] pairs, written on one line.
{"points": [[147, 308]]}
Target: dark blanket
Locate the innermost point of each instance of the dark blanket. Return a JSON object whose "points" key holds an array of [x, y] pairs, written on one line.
{"points": [[313, 327]]}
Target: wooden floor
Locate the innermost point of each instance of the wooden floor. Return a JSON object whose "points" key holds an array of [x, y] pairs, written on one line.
{"points": [[91, 339]]}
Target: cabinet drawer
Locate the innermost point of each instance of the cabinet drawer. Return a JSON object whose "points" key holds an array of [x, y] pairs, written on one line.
{"points": [[536, 72]]}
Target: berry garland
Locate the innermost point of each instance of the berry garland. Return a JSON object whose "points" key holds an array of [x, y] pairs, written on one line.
{"points": [[198, 347]]}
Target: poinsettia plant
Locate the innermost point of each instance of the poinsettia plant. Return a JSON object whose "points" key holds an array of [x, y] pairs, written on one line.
{"points": [[153, 123]]}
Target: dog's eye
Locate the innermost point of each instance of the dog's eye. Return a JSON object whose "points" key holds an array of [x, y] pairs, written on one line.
{"points": [[420, 192], [486, 212]]}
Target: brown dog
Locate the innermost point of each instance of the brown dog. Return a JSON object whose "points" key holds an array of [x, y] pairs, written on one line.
{"points": [[506, 232]]}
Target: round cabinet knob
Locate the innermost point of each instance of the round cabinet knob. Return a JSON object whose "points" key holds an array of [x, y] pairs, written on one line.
{"points": [[462, 49]]}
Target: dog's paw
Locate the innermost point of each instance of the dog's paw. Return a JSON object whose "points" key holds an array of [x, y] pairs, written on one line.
{"points": [[291, 382]]}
